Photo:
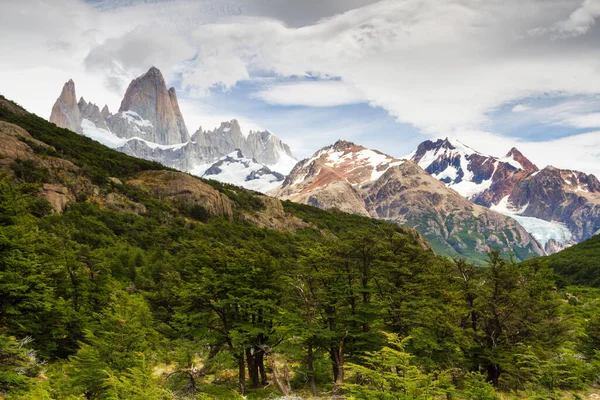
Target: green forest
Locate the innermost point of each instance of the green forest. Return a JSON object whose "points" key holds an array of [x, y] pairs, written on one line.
{"points": [[176, 302]]}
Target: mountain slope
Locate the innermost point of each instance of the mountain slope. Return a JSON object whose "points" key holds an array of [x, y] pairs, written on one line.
{"points": [[355, 179], [578, 264], [559, 207]]}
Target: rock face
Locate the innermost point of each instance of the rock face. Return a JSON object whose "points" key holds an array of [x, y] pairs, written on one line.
{"points": [[355, 179], [262, 146], [65, 112], [569, 197], [177, 186], [149, 98], [559, 207], [150, 125]]}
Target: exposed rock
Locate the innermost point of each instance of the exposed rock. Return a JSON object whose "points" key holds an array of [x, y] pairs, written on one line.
{"points": [[177, 186], [513, 185], [13, 145], [148, 97], [105, 112], [151, 120], [65, 112], [262, 146], [120, 203], [566, 196], [92, 113], [274, 217], [58, 196]]}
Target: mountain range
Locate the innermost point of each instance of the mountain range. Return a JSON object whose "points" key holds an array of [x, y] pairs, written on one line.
{"points": [[464, 202], [150, 125], [355, 179], [559, 207]]}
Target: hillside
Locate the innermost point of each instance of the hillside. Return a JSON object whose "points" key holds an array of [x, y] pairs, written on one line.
{"points": [[578, 264], [123, 279]]}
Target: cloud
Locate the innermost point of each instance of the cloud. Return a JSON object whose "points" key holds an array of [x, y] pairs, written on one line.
{"points": [[311, 94], [519, 108], [578, 23], [128, 56], [442, 67]]}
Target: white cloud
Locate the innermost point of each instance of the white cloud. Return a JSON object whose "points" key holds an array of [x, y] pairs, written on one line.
{"points": [[438, 66], [130, 55], [585, 121], [519, 108], [578, 23], [311, 94]]}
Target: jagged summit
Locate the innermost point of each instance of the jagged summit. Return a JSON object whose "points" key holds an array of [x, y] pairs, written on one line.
{"points": [[65, 112], [150, 125], [522, 161], [148, 96]]}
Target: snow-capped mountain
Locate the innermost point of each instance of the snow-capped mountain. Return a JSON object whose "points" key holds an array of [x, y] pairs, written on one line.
{"points": [[149, 125], [234, 168], [355, 179], [558, 207], [481, 178]]}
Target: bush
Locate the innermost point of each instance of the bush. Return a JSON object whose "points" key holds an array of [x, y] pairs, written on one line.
{"points": [[476, 387]]}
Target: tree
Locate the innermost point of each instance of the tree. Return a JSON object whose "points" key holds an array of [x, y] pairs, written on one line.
{"points": [[512, 305]]}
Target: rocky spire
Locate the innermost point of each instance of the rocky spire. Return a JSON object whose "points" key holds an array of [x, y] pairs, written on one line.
{"points": [[516, 155], [148, 97], [65, 112], [185, 136], [105, 112]]}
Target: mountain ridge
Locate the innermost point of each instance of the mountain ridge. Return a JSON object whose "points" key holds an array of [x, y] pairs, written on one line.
{"points": [[359, 180]]}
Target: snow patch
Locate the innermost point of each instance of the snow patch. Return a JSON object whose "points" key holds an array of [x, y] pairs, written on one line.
{"points": [[135, 118], [236, 170], [510, 160], [100, 135], [470, 189], [284, 165]]}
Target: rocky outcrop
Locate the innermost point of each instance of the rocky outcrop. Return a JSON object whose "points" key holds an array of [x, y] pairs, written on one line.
{"points": [[265, 147], [407, 195], [261, 146], [65, 112], [273, 216], [177, 186], [92, 113], [149, 98], [58, 196], [367, 182]]}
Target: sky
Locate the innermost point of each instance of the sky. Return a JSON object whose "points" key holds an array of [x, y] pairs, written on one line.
{"points": [[386, 74]]}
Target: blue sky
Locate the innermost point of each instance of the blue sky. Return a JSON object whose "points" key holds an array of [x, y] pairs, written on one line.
{"points": [[387, 74]]}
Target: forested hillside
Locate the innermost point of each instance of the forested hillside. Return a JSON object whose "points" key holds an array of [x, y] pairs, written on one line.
{"points": [[121, 279], [579, 264]]}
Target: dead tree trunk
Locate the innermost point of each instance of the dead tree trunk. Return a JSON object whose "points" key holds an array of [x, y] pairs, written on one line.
{"points": [[282, 382]]}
